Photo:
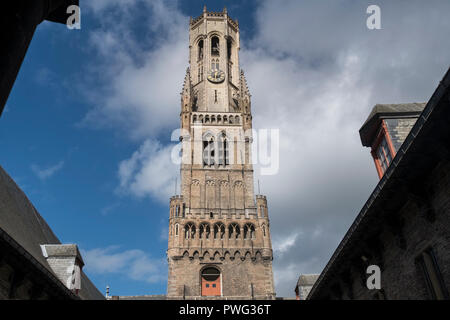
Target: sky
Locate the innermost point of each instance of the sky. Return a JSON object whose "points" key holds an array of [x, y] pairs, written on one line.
{"points": [[86, 132]]}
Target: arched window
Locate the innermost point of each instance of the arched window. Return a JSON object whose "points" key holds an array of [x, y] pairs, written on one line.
{"points": [[189, 231], [183, 212], [229, 64], [249, 231], [223, 152], [200, 50], [234, 231], [219, 231], [177, 211], [264, 230], [176, 230], [208, 151], [204, 231], [215, 51]]}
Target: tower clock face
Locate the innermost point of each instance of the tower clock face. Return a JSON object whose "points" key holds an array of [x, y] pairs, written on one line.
{"points": [[216, 76]]}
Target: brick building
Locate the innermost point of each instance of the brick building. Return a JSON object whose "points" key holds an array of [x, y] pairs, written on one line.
{"points": [[404, 227], [219, 237], [33, 262]]}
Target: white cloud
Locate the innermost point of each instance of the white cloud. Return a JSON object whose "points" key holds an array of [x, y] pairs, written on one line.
{"points": [[326, 71], [44, 173], [135, 264], [141, 77], [282, 244], [149, 172]]}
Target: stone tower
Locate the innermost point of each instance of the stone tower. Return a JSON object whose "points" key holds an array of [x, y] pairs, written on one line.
{"points": [[219, 236]]}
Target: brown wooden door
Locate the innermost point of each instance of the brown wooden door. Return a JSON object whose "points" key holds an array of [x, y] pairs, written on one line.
{"points": [[211, 282]]}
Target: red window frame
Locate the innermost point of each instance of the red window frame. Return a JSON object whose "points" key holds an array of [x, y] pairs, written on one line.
{"points": [[383, 137]]}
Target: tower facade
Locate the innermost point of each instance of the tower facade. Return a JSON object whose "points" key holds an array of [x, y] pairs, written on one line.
{"points": [[219, 237]]}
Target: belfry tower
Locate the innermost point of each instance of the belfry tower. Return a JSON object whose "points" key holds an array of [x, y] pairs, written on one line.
{"points": [[219, 235]]}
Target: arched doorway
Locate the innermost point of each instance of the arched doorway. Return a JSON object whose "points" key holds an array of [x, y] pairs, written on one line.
{"points": [[211, 281]]}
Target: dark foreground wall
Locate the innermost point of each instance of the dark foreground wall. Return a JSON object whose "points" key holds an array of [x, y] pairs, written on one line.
{"points": [[404, 227]]}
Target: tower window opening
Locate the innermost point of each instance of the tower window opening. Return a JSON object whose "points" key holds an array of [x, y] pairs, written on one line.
{"points": [[211, 215], [176, 230], [200, 50], [215, 64], [195, 103], [204, 231], [215, 96], [223, 150], [208, 152], [234, 231], [215, 51], [219, 231], [229, 49], [189, 231], [249, 231]]}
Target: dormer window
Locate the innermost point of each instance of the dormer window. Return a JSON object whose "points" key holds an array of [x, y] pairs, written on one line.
{"points": [[382, 150], [384, 155], [215, 51], [386, 129]]}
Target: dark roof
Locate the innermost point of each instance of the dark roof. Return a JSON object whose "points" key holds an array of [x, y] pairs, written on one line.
{"points": [[307, 279], [383, 111], [432, 125], [20, 220]]}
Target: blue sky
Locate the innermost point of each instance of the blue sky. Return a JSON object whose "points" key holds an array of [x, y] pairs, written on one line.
{"points": [[93, 109]]}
